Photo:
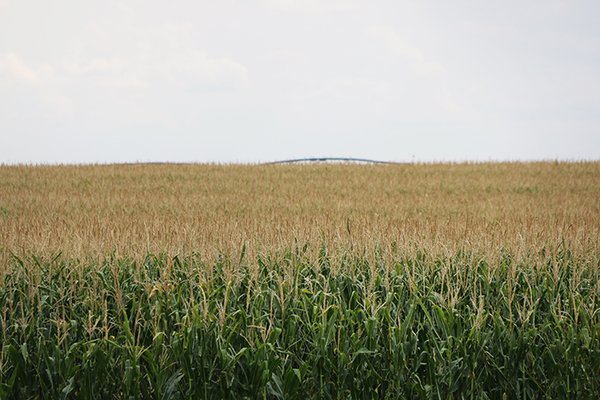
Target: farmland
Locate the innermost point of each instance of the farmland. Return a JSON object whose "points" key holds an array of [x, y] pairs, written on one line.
{"points": [[300, 281]]}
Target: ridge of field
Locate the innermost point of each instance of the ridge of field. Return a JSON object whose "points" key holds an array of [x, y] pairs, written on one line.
{"points": [[138, 209]]}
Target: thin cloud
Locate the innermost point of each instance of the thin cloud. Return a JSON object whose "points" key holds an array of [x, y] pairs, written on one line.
{"points": [[190, 67], [195, 67], [307, 6], [388, 36], [15, 70], [99, 64]]}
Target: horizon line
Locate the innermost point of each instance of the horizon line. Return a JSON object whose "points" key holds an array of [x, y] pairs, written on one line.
{"points": [[315, 160]]}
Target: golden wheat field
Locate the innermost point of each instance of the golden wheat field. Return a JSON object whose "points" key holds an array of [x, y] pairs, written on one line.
{"points": [[178, 209]]}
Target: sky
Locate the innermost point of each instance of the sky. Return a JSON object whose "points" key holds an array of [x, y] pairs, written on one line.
{"points": [[102, 81]]}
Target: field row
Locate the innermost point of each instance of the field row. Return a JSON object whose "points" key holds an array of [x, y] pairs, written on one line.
{"points": [[286, 327], [216, 209]]}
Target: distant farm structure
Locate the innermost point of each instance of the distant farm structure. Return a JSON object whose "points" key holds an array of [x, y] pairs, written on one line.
{"points": [[330, 159]]}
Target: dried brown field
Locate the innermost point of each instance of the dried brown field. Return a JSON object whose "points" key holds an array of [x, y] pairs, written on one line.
{"points": [[178, 209]]}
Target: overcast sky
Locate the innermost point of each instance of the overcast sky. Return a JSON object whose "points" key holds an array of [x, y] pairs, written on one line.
{"points": [[246, 81]]}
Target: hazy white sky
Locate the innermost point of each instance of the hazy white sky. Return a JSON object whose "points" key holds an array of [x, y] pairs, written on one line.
{"points": [[132, 80]]}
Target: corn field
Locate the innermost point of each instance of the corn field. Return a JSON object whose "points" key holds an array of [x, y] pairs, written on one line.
{"points": [[305, 281]]}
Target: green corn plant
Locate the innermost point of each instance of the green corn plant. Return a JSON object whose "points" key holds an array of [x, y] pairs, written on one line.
{"points": [[284, 326]]}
